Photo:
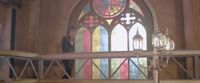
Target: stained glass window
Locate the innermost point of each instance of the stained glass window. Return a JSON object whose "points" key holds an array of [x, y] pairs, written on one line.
{"points": [[108, 8], [83, 44], [119, 43], [134, 6], [100, 44], [85, 10], [135, 73], [106, 26]]}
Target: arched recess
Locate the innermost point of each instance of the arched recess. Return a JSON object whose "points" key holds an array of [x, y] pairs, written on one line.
{"points": [[83, 44], [80, 4], [119, 30], [119, 42], [147, 8], [100, 44], [142, 31], [134, 73]]}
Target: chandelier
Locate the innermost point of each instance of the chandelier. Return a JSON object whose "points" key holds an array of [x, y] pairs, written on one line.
{"points": [[162, 44]]}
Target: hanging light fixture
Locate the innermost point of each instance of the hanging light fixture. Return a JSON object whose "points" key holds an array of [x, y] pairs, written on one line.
{"points": [[138, 47], [137, 42]]}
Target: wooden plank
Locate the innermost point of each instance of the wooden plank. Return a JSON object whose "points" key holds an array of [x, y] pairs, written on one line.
{"points": [[103, 81], [10, 53], [176, 53], [196, 67], [190, 66]]}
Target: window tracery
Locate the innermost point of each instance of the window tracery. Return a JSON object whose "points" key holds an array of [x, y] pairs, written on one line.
{"points": [[109, 25]]}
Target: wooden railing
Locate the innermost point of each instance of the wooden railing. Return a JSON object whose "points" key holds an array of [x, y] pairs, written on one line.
{"points": [[36, 62]]}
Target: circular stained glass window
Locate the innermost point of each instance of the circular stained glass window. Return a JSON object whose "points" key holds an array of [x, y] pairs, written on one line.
{"points": [[108, 8]]}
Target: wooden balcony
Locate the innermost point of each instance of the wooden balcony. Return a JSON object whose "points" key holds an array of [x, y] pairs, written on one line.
{"points": [[40, 72]]}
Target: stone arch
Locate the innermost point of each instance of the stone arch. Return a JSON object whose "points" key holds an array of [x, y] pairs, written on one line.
{"points": [[147, 2]]}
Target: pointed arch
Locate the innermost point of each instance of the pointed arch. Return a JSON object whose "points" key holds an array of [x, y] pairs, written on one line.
{"points": [[119, 43], [83, 44], [119, 38], [109, 33], [134, 72], [100, 44], [83, 40], [80, 4]]}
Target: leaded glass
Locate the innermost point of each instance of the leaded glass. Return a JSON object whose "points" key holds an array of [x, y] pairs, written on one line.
{"points": [[100, 44], [109, 25], [119, 43], [91, 21], [83, 44], [134, 6], [132, 33], [85, 10], [128, 18], [108, 8], [135, 73]]}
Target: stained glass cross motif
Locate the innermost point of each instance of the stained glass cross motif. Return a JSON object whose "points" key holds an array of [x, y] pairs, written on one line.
{"points": [[128, 18], [91, 21]]}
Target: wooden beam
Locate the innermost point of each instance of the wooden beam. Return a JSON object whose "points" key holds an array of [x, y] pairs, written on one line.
{"points": [[103, 81], [177, 53], [196, 67], [9, 53]]}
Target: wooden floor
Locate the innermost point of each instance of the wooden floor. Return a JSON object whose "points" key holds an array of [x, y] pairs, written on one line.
{"points": [[103, 81]]}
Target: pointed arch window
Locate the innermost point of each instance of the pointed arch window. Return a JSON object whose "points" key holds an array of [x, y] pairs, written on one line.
{"points": [[106, 26]]}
